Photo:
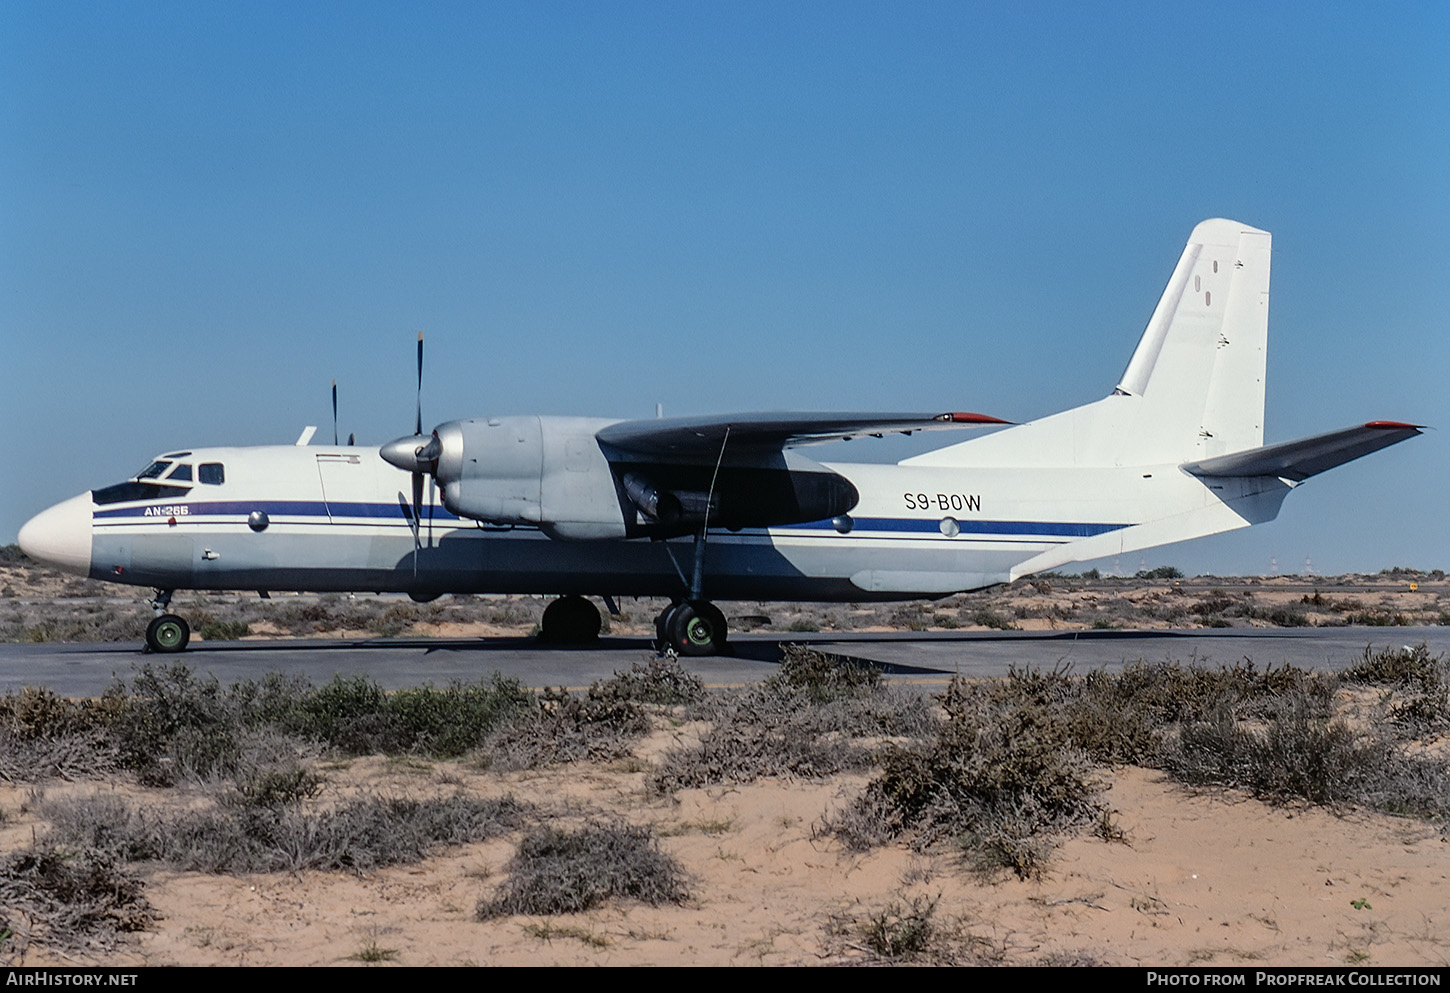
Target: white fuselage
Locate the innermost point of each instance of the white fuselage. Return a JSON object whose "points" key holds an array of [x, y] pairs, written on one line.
{"points": [[338, 519]]}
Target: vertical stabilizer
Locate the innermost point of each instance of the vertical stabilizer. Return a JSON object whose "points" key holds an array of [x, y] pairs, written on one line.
{"points": [[1194, 388], [1199, 367]]}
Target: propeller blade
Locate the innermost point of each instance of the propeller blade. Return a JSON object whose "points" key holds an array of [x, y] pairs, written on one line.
{"points": [[334, 412], [417, 504], [418, 424]]}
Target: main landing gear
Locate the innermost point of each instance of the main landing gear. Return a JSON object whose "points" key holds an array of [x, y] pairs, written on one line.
{"points": [[692, 627], [570, 620], [166, 633]]}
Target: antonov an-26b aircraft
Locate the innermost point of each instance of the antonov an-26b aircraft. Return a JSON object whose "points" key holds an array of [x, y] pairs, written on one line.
{"points": [[700, 509]]}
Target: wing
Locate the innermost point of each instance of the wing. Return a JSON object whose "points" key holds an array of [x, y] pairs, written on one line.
{"points": [[1298, 460], [771, 432]]}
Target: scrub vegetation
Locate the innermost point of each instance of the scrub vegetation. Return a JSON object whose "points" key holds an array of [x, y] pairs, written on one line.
{"points": [[240, 778]]}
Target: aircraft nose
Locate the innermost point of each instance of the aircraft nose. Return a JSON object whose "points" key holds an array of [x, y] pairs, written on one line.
{"points": [[61, 536]]}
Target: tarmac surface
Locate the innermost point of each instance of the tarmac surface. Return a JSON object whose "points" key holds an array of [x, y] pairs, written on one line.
{"points": [[925, 659]]}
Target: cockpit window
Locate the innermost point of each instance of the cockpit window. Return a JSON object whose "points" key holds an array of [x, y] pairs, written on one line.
{"points": [[212, 473], [154, 470], [125, 492], [181, 473]]}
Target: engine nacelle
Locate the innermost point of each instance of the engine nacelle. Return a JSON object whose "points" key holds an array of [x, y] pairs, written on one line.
{"points": [[550, 472], [544, 471]]}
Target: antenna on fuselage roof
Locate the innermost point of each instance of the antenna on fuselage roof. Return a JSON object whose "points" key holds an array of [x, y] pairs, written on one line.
{"points": [[351, 438], [306, 436]]}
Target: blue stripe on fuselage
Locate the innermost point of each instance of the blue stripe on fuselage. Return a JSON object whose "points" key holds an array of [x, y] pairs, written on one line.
{"points": [[933, 526], [394, 512], [283, 508]]}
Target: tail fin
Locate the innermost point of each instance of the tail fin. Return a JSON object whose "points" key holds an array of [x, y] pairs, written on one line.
{"points": [[1194, 388]]}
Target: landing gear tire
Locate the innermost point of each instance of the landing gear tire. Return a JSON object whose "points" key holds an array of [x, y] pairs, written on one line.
{"points": [[167, 633], [695, 628], [570, 620]]}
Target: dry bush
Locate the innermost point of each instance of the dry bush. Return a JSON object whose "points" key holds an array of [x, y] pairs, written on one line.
{"points": [[366, 833], [1002, 776], [77, 900], [806, 721], [565, 872], [595, 726]]}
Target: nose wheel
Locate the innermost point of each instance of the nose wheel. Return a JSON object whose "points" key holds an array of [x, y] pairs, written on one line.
{"points": [[693, 627], [167, 633]]}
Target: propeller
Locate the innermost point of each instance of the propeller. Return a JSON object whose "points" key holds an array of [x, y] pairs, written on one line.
{"points": [[417, 454], [334, 412]]}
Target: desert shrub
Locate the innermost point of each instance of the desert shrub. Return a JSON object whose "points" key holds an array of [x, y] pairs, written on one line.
{"points": [[1216, 602], [743, 754], [823, 677], [43, 735], [1420, 705], [394, 620], [1395, 666], [276, 786], [356, 716], [1002, 776], [565, 872], [901, 931], [363, 834], [448, 722], [211, 628], [68, 899], [658, 680], [595, 726], [1297, 754], [807, 728], [89, 622], [175, 724], [988, 618], [1284, 617]]}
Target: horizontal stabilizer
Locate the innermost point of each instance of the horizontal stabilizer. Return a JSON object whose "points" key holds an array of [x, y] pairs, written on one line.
{"points": [[1298, 460]]}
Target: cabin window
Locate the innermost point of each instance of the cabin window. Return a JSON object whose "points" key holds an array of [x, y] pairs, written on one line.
{"points": [[181, 473], [211, 473]]}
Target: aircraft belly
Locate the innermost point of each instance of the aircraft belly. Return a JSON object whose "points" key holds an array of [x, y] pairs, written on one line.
{"points": [[358, 557]]}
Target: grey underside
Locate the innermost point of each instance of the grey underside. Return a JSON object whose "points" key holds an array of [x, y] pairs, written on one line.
{"points": [[525, 561]]}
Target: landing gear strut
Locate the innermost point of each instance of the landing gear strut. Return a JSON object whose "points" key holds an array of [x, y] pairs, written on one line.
{"points": [[694, 626], [166, 633], [570, 620]]}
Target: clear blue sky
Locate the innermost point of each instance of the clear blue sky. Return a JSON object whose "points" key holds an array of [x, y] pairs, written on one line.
{"points": [[209, 210]]}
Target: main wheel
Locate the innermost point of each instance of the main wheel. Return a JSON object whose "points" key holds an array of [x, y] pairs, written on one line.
{"points": [[696, 628], [662, 625], [167, 633], [570, 620]]}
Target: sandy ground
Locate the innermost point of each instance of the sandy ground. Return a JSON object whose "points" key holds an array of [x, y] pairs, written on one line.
{"points": [[1199, 879]]}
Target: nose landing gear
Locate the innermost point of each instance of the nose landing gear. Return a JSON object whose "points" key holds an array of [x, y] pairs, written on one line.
{"points": [[166, 633]]}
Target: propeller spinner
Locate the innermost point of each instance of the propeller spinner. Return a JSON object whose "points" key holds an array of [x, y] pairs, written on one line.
{"points": [[417, 453]]}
